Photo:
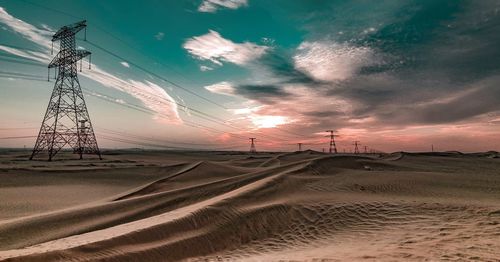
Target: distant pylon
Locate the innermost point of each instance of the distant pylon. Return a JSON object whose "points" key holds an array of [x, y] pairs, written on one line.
{"points": [[366, 149], [356, 149], [252, 145], [300, 146], [67, 121], [333, 147]]}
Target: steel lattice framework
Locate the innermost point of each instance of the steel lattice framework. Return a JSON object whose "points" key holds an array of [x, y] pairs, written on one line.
{"points": [[252, 145], [67, 121], [333, 147], [356, 148]]}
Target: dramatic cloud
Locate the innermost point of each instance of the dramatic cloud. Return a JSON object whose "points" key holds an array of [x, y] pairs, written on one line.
{"points": [[259, 120], [423, 68], [211, 6], [262, 121], [254, 115], [395, 71], [480, 98], [213, 47], [276, 67], [151, 95], [266, 94], [223, 88], [330, 61]]}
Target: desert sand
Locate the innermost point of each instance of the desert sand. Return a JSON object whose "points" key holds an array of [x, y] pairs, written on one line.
{"points": [[232, 206]]}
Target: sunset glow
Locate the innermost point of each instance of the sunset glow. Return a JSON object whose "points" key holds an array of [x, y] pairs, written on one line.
{"points": [[268, 121], [378, 68]]}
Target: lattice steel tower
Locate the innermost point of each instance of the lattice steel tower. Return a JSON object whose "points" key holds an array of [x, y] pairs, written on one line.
{"points": [[67, 120], [333, 147], [252, 146], [356, 148]]}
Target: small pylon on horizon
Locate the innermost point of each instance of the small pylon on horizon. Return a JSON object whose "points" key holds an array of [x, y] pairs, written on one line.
{"points": [[252, 145], [333, 147], [356, 149]]}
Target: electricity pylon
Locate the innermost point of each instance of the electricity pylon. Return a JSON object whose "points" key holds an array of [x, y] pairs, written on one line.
{"points": [[356, 149], [300, 146], [366, 149], [333, 147], [252, 146], [67, 121]]}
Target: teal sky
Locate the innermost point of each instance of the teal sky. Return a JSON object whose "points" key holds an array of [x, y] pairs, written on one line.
{"points": [[396, 75]]}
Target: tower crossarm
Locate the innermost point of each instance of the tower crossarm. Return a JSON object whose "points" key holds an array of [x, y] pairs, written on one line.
{"points": [[59, 59], [68, 30]]}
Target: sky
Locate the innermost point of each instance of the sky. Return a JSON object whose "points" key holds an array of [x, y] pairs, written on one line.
{"points": [[209, 74]]}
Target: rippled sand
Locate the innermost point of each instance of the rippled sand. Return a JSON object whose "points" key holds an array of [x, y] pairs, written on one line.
{"points": [[208, 206]]}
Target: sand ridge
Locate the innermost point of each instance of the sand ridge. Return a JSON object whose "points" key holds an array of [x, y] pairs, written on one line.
{"points": [[302, 206]]}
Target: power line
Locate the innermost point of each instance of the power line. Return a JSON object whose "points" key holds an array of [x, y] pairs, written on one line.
{"points": [[129, 141], [20, 62], [20, 74], [16, 128], [17, 137], [136, 142], [52, 9], [131, 137], [102, 96], [145, 55], [155, 75], [24, 78], [214, 118], [151, 112], [25, 48], [143, 109], [223, 122], [109, 131], [168, 81], [100, 28], [142, 69], [196, 111], [19, 59], [134, 107]]}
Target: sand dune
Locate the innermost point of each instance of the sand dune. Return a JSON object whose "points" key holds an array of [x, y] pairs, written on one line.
{"points": [[302, 206]]}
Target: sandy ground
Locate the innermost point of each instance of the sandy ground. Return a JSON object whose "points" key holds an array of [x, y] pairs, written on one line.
{"points": [[213, 206]]}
